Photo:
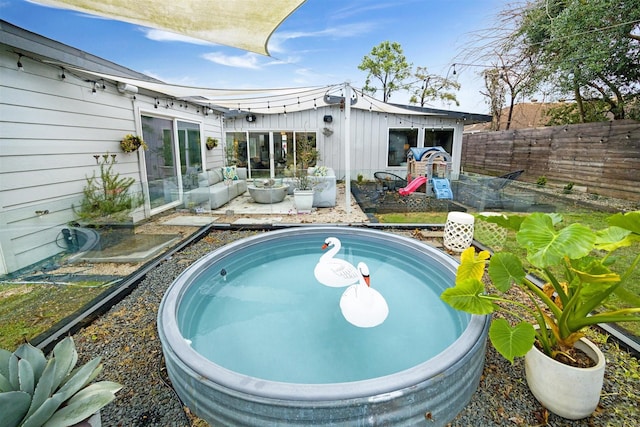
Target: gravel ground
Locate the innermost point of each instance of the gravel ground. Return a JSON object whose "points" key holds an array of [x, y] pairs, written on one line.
{"points": [[127, 340]]}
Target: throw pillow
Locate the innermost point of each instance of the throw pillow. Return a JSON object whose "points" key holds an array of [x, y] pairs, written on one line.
{"points": [[230, 172], [321, 171]]}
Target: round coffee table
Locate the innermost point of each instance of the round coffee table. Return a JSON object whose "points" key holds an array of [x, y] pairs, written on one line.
{"points": [[268, 195]]}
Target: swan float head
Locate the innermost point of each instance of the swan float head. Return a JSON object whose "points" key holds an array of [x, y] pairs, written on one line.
{"points": [[361, 305]]}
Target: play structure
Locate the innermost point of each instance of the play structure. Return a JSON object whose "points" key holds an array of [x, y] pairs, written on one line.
{"points": [[431, 167]]}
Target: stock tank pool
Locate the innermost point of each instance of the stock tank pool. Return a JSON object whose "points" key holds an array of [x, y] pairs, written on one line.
{"points": [[251, 338]]}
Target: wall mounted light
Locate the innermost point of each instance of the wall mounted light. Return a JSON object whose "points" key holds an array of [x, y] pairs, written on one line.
{"points": [[251, 118], [327, 119]]}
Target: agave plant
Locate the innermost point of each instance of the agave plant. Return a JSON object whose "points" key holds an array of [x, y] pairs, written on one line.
{"points": [[36, 391], [576, 264]]}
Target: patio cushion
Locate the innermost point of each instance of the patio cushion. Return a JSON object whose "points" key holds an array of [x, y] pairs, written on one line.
{"points": [[229, 172]]}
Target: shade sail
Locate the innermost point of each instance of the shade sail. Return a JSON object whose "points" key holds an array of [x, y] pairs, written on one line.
{"points": [[244, 24]]}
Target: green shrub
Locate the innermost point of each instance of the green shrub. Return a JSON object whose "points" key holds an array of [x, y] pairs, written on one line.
{"points": [[108, 195]]}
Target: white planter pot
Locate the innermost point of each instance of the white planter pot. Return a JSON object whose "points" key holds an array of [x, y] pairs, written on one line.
{"points": [[303, 200], [569, 392]]}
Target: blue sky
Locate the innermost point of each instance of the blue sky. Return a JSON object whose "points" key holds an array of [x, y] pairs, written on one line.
{"points": [[323, 42]]}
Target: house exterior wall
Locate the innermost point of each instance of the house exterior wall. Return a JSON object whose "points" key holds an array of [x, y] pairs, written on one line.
{"points": [[50, 130], [369, 138]]}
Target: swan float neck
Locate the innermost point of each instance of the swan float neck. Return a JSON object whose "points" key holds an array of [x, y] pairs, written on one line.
{"points": [[335, 245]]}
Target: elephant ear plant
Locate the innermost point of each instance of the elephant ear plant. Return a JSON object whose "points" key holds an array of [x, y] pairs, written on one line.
{"points": [[576, 264], [36, 392]]}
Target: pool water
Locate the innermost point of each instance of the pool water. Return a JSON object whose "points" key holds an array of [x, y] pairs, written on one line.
{"points": [[261, 312]]}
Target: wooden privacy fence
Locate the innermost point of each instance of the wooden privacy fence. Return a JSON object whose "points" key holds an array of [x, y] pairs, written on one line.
{"points": [[604, 157]]}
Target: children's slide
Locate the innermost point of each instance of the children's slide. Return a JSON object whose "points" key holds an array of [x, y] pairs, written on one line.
{"points": [[412, 186], [442, 188]]}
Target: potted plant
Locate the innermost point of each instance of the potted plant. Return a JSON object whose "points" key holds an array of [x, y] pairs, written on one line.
{"points": [[211, 143], [307, 155], [577, 270], [36, 391], [131, 143]]}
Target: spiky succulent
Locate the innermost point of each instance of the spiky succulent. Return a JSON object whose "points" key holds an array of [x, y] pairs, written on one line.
{"points": [[36, 391]]}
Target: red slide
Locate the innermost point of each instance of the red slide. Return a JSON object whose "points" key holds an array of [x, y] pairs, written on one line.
{"points": [[412, 186]]}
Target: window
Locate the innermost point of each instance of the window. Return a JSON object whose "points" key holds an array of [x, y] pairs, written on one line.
{"points": [[400, 140], [265, 153], [439, 138]]}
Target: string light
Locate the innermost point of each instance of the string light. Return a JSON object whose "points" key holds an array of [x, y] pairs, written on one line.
{"points": [[19, 64], [63, 75]]}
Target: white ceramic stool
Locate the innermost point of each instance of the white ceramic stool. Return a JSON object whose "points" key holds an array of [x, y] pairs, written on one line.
{"points": [[489, 234], [458, 231]]}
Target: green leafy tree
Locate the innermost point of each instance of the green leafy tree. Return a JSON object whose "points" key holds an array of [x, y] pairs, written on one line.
{"points": [[567, 114], [388, 67], [588, 48], [432, 87]]}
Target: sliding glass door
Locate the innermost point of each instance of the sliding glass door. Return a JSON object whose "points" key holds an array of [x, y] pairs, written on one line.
{"points": [[190, 150], [170, 167], [160, 161]]}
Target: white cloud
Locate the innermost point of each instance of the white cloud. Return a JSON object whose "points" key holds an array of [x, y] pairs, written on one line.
{"points": [[248, 60], [277, 41], [167, 36]]}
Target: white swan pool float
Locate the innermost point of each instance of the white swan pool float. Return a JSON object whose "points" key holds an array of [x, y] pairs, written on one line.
{"points": [[362, 305], [335, 272]]}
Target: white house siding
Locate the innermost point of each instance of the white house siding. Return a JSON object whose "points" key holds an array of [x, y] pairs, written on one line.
{"points": [[50, 130], [369, 136]]}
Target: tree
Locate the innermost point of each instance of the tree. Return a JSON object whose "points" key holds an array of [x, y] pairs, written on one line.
{"points": [[585, 50], [431, 87], [516, 72], [588, 48], [569, 113], [495, 92], [387, 65]]}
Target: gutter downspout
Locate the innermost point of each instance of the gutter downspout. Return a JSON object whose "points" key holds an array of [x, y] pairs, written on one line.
{"points": [[347, 147]]}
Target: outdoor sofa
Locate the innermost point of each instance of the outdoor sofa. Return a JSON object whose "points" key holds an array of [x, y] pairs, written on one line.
{"points": [[217, 186]]}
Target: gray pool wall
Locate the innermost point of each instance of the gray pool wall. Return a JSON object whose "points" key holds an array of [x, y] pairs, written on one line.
{"points": [[433, 392]]}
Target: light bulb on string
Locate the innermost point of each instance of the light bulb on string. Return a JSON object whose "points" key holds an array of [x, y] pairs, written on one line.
{"points": [[63, 76], [19, 64]]}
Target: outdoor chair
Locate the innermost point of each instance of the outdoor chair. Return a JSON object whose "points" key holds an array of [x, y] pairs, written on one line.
{"points": [[485, 192], [389, 181]]}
